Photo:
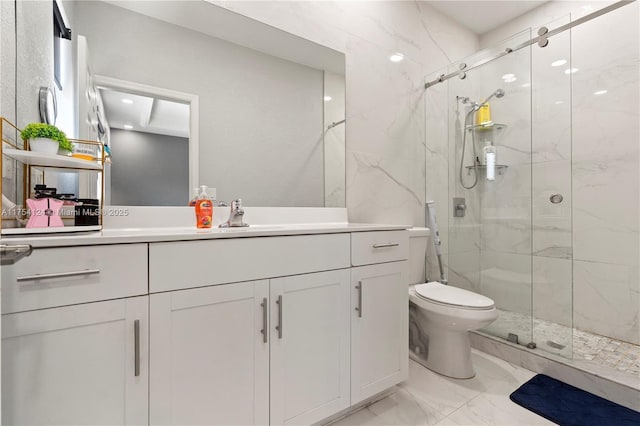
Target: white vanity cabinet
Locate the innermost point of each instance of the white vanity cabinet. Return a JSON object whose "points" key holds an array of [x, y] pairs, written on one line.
{"points": [[379, 313], [268, 330], [209, 357], [212, 362], [309, 347], [77, 365], [69, 354]]}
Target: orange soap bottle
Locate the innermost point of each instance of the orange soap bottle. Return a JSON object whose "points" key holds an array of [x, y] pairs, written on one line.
{"points": [[204, 209]]}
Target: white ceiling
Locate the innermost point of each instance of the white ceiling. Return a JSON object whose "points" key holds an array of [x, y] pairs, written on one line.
{"points": [[145, 114], [482, 16]]}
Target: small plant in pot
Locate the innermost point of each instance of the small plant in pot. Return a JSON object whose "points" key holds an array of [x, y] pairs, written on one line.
{"points": [[46, 138]]}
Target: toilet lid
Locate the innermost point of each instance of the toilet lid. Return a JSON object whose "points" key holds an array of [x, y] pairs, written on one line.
{"points": [[454, 296]]}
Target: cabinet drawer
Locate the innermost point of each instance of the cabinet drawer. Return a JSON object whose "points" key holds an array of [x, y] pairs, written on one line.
{"points": [[69, 275], [188, 264], [378, 247]]}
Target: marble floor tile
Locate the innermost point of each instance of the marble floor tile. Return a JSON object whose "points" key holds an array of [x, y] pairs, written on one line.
{"points": [[427, 398]]}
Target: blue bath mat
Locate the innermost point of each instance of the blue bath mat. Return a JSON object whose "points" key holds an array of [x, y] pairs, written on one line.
{"points": [[569, 406]]}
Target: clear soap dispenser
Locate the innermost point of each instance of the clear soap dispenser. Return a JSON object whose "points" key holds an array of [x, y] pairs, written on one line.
{"points": [[489, 154]]}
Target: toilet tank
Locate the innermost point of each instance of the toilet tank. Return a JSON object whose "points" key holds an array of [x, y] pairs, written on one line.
{"points": [[418, 240]]}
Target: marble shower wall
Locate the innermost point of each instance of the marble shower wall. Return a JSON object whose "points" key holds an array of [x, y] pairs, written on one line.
{"points": [[385, 107], [606, 176]]}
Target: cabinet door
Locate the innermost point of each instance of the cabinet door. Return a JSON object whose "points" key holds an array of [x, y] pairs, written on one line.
{"points": [[309, 347], [77, 365], [379, 328], [209, 358]]}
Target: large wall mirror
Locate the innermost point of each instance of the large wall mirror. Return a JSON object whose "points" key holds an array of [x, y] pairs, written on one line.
{"points": [[184, 93]]}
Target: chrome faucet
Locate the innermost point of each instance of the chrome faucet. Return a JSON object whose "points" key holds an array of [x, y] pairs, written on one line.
{"points": [[235, 216]]}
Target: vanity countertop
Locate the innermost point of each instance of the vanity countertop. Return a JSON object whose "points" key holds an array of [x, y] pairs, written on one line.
{"points": [[149, 235]]}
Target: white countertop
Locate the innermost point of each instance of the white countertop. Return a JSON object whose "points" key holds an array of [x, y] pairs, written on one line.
{"points": [[148, 235]]}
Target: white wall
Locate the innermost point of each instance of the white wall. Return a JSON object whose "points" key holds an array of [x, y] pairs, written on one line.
{"points": [[385, 110], [148, 169], [271, 153], [7, 60], [34, 31]]}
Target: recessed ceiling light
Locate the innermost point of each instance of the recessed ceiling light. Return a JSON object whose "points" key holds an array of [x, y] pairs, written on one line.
{"points": [[508, 76], [127, 101], [128, 126], [600, 92], [559, 102], [558, 63], [525, 85], [327, 98], [396, 57], [571, 70]]}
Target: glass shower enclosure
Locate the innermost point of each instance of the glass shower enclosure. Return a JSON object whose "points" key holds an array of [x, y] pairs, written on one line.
{"points": [[500, 172]]}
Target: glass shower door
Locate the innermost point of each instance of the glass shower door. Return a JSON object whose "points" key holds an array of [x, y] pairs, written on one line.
{"points": [[491, 237], [552, 250]]}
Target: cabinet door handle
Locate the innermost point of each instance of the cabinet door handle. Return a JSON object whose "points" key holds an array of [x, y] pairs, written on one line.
{"points": [[136, 348], [57, 275], [279, 326], [385, 245], [359, 307], [264, 330]]}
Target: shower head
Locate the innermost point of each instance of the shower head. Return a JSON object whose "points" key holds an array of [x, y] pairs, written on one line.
{"points": [[498, 94]]}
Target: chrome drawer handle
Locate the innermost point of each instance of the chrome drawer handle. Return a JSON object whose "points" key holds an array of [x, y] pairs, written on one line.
{"points": [[359, 307], [280, 308], [264, 330], [386, 245], [13, 253], [58, 275], [136, 348]]}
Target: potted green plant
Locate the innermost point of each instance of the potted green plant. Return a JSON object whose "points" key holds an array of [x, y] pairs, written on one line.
{"points": [[46, 138]]}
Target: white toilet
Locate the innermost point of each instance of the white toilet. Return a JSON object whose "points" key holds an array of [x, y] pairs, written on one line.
{"points": [[442, 316]]}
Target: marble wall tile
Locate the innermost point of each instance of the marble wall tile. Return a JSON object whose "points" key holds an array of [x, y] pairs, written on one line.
{"points": [[551, 98], [506, 278], [553, 290], [606, 133], [464, 270], [606, 299], [552, 223]]}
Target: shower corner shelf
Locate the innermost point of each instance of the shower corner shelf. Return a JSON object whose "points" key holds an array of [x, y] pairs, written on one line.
{"points": [[486, 127], [500, 168]]}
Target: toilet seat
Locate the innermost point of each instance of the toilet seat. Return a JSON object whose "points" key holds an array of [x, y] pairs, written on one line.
{"points": [[445, 295]]}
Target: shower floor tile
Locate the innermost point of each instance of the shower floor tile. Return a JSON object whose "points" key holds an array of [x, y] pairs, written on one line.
{"points": [[595, 352]]}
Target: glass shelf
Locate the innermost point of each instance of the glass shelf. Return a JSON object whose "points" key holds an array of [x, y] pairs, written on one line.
{"points": [[487, 127], [500, 168]]}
